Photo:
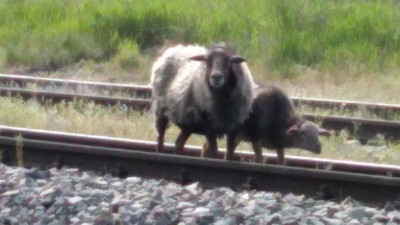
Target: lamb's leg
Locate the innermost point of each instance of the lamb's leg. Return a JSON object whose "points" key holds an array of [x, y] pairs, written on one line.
{"points": [[161, 126], [281, 156], [205, 152], [257, 148], [181, 140], [231, 144]]}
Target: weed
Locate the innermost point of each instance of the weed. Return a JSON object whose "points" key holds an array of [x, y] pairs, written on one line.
{"points": [[19, 151]]}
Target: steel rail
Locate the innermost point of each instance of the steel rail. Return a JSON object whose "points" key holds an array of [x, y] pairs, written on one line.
{"points": [[22, 82], [362, 129], [56, 97], [327, 184], [128, 144], [345, 104], [144, 90]]}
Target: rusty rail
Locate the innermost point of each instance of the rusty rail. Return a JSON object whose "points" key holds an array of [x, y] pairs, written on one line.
{"points": [[19, 81], [122, 143], [145, 91]]}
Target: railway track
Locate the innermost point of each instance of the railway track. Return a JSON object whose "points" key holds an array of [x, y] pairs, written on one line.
{"points": [[372, 184], [144, 91], [360, 128], [328, 179]]}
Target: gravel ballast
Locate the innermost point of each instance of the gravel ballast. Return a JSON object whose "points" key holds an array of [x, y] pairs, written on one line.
{"points": [[72, 196]]}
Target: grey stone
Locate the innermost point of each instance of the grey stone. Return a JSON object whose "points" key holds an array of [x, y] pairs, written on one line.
{"points": [[38, 174], [340, 215], [381, 218], [321, 212], [357, 213], [330, 221], [370, 212], [351, 202], [314, 221], [354, 222], [396, 216], [332, 210], [193, 188], [71, 196], [275, 218]]}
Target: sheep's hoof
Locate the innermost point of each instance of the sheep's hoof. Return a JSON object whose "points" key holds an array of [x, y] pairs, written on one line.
{"points": [[178, 151], [282, 163], [210, 155], [233, 158], [213, 156], [260, 160]]}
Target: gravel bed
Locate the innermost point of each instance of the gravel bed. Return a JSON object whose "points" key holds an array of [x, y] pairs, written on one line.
{"points": [[72, 196]]}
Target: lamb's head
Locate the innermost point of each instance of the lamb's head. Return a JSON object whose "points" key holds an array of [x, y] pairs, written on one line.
{"points": [[305, 135], [219, 60]]}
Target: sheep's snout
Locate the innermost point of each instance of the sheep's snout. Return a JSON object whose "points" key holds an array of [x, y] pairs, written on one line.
{"points": [[311, 147], [217, 80], [317, 148]]}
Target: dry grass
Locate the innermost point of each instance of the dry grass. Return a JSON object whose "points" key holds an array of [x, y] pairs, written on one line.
{"points": [[343, 84], [109, 71]]}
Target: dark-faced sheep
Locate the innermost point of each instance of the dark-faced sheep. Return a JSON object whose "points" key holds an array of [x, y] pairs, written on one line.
{"points": [[273, 123], [203, 91]]}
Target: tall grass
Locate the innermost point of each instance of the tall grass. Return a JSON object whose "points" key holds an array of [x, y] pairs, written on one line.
{"points": [[275, 35]]}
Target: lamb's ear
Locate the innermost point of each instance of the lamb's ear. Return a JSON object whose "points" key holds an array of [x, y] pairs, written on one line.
{"points": [[237, 59], [198, 58], [293, 129], [323, 132]]}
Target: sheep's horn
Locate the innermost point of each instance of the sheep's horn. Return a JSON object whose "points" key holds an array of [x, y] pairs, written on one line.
{"points": [[323, 132], [237, 59], [198, 58]]}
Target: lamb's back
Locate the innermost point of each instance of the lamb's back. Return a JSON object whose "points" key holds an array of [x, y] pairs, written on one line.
{"points": [[271, 115]]}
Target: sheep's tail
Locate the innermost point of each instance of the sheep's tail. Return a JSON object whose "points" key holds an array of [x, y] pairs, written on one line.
{"points": [[163, 72]]}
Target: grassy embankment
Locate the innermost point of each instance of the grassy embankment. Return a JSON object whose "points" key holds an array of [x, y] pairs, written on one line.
{"points": [[336, 49], [339, 49]]}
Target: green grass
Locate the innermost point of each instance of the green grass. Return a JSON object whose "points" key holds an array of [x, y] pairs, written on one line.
{"points": [[88, 118], [273, 35]]}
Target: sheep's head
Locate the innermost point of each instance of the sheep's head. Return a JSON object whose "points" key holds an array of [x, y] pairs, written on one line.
{"points": [[306, 136], [219, 61]]}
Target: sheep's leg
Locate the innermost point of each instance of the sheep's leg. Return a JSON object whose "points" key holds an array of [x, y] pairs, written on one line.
{"points": [[181, 140], [212, 145], [161, 126], [257, 148], [231, 144], [281, 156], [205, 152]]}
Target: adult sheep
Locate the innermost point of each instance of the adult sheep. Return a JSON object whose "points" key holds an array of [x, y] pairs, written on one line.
{"points": [[202, 91], [273, 123]]}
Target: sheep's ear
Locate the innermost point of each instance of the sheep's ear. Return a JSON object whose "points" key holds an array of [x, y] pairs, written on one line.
{"points": [[198, 58], [237, 59], [323, 132], [293, 129]]}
